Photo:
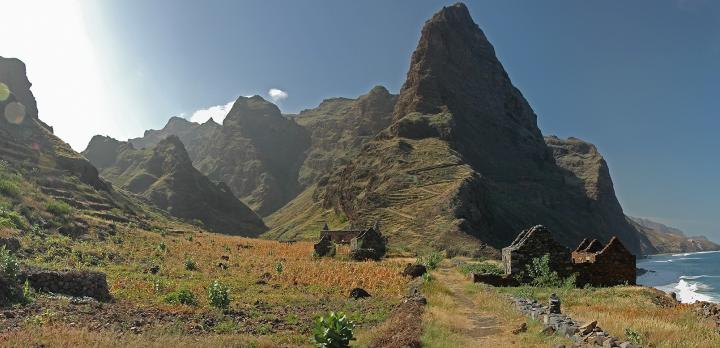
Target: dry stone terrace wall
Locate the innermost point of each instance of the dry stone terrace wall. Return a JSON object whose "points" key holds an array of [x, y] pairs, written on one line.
{"points": [[72, 283]]}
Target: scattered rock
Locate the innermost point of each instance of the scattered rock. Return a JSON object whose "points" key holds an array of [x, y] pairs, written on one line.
{"points": [[521, 328], [587, 328], [358, 293], [10, 243], [414, 270], [264, 278]]}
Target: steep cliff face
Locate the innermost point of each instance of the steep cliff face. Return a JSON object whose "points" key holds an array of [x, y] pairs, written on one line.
{"points": [[464, 164], [164, 174]]}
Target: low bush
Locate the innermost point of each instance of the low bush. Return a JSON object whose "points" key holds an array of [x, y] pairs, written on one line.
{"points": [[9, 188], [59, 208], [431, 261], [190, 265], [333, 331], [182, 296], [9, 266], [219, 295]]}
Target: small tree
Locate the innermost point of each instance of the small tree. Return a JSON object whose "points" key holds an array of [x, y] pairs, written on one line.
{"points": [[333, 331], [540, 273]]}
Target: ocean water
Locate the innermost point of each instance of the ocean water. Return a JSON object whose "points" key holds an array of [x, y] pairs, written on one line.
{"points": [[692, 276]]}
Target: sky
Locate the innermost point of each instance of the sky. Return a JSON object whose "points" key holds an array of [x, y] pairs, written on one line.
{"points": [[640, 79]]}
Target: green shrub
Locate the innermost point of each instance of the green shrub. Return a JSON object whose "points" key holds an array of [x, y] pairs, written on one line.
{"points": [[13, 219], [333, 331], [480, 268], [540, 273], [279, 267], [182, 296], [633, 336], [9, 266], [431, 261], [9, 188], [190, 265], [219, 295], [59, 208], [162, 247]]}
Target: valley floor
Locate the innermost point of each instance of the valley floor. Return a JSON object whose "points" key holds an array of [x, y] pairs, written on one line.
{"points": [[278, 289]]}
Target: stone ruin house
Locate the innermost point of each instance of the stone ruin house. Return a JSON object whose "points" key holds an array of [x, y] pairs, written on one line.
{"points": [[364, 244], [607, 265], [593, 263], [535, 242]]}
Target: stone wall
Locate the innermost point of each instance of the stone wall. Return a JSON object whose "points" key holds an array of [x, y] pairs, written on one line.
{"points": [[72, 283], [536, 242]]}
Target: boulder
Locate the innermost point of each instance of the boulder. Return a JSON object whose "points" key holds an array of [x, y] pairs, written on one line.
{"points": [[10, 243], [358, 293], [414, 271]]}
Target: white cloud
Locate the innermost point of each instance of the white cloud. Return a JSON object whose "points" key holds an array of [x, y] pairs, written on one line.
{"points": [[217, 113], [277, 94]]}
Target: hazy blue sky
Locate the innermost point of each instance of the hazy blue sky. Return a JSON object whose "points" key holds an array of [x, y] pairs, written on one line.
{"points": [[640, 79]]}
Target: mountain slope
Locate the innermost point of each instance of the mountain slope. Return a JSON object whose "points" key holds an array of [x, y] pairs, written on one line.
{"points": [[339, 129], [42, 178], [164, 174], [464, 165], [257, 151], [671, 240]]}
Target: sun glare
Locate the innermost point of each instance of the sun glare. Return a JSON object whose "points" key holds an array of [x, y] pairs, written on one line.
{"points": [[61, 64]]}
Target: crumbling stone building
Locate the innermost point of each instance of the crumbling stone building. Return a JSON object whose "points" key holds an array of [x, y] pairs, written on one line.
{"points": [[364, 244], [607, 265], [593, 263], [535, 242]]}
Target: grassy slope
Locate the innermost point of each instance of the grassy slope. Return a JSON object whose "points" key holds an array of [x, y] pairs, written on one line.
{"points": [[280, 311]]}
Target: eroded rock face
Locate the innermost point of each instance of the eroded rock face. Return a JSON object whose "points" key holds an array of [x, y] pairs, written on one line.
{"points": [[165, 175]]}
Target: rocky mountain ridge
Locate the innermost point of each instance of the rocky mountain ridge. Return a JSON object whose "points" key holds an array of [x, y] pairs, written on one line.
{"points": [[164, 175], [455, 161]]}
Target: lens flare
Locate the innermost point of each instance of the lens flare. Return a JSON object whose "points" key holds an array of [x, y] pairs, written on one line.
{"points": [[4, 92], [15, 113]]}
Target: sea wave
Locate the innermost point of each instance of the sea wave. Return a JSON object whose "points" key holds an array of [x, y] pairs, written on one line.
{"points": [[663, 261], [697, 252], [698, 277], [689, 292]]}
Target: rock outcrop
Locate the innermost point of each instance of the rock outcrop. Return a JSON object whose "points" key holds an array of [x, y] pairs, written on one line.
{"points": [[164, 174]]}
